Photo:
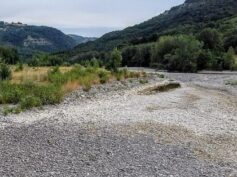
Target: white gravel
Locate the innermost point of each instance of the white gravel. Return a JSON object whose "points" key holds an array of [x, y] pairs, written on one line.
{"points": [[204, 115]]}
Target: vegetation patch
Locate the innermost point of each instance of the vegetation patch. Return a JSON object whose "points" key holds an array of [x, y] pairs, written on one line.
{"points": [[231, 82], [31, 87], [164, 87]]}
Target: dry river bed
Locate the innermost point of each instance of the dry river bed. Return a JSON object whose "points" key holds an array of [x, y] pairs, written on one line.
{"points": [[118, 130]]}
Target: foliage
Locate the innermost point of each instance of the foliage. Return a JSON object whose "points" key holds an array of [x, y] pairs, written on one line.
{"points": [[231, 82], [211, 39], [138, 55], [29, 94], [104, 76], [19, 67], [5, 72], [143, 81], [177, 53], [8, 55], [45, 60], [115, 60], [229, 59], [231, 40], [187, 18]]}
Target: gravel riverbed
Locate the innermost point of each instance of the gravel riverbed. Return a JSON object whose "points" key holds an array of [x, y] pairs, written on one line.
{"points": [[114, 130]]}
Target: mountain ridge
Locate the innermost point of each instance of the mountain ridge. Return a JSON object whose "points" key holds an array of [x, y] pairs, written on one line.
{"points": [[187, 17], [29, 38]]}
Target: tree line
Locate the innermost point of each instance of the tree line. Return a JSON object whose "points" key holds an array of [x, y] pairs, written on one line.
{"points": [[207, 50], [185, 53]]}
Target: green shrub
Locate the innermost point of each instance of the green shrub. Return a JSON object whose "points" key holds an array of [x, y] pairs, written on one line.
{"points": [[143, 81], [9, 55], [29, 102], [28, 95], [19, 67], [162, 76], [10, 93], [231, 82], [115, 60], [86, 86], [229, 59], [104, 76], [5, 72], [119, 75], [125, 73], [7, 110]]}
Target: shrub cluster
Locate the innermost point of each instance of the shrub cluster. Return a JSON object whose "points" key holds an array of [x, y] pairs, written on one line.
{"points": [[28, 95]]}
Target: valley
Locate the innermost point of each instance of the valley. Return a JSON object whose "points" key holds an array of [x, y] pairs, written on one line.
{"points": [[155, 98]]}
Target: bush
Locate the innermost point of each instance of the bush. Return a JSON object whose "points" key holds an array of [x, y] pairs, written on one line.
{"points": [[29, 95], [115, 60], [229, 60], [5, 72], [104, 76], [87, 82], [119, 75], [9, 55], [143, 81], [19, 67], [30, 102]]}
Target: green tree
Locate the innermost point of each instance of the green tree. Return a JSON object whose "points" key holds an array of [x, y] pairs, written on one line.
{"points": [[5, 72], [115, 60], [95, 63], [229, 60], [231, 40], [177, 53], [211, 38], [9, 55]]}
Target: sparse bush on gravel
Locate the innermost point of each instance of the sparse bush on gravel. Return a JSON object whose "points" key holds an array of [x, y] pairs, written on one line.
{"points": [[104, 76], [30, 102], [143, 81], [231, 82], [26, 95]]}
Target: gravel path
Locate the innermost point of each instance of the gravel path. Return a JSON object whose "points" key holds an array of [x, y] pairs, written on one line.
{"points": [[114, 130]]}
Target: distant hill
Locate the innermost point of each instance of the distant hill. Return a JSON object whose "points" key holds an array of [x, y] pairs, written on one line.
{"points": [[29, 39], [81, 39], [188, 18]]}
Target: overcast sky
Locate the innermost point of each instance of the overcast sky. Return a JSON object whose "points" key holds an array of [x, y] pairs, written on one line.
{"points": [[84, 17]]}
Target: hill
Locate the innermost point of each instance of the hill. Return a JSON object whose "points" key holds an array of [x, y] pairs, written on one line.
{"points": [[187, 18], [81, 39], [29, 39]]}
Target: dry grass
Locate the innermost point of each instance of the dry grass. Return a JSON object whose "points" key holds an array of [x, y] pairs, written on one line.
{"points": [[34, 74], [71, 86]]}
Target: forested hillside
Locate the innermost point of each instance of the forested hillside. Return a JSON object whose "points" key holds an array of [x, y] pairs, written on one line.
{"points": [[198, 19], [29, 39], [186, 18]]}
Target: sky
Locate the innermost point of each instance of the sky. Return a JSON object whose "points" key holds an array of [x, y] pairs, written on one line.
{"points": [[83, 17]]}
